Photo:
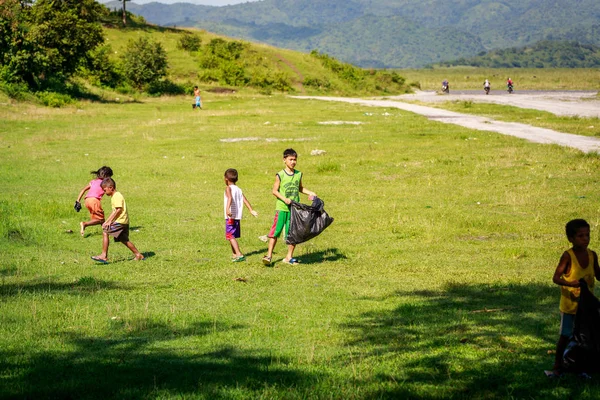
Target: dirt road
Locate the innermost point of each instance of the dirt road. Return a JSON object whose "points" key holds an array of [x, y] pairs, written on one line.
{"points": [[564, 103]]}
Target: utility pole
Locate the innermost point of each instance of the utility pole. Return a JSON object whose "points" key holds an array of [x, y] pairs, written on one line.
{"points": [[124, 13]]}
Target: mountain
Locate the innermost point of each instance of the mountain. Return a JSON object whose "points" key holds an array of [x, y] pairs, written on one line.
{"points": [[390, 33]]}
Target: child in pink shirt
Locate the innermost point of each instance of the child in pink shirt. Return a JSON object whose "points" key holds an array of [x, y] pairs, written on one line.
{"points": [[93, 199]]}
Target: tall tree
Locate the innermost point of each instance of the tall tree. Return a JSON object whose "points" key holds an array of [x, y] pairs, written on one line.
{"points": [[125, 13]]}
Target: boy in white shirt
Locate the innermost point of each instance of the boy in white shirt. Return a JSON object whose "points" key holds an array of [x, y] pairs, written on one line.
{"points": [[234, 201]]}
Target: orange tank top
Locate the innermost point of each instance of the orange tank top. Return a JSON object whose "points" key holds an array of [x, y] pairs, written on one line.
{"points": [[569, 296]]}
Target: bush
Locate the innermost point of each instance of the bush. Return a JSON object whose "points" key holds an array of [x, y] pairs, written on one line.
{"points": [[166, 87], [51, 99], [189, 42], [17, 91], [144, 62], [317, 83], [100, 70]]}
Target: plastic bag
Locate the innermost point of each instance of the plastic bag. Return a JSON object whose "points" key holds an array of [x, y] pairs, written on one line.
{"points": [[306, 221], [583, 351]]}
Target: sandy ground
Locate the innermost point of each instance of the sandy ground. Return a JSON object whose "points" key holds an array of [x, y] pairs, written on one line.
{"points": [[583, 104]]}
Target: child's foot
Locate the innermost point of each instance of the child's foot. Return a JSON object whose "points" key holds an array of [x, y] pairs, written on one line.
{"points": [[81, 229], [291, 261], [266, 260], [99, 259], [239, 259], [140, 257]]}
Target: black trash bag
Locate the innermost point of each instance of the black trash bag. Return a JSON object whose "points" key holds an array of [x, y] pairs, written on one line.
{"points": [[583, 351], [306, 221]]}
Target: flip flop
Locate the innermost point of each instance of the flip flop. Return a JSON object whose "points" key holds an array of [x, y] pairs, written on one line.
{"points": [[100, 260], [266, 260], [291, 261]]}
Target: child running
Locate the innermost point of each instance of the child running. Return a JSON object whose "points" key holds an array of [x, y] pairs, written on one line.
{"points": [[198, 103], [287, 187], [576, 263], [93, 199], [234, 201], [117, 224]]}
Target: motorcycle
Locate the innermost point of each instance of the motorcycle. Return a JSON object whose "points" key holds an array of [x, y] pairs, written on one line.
{"points": [[509, 88], [487, 89], [445, 89]]}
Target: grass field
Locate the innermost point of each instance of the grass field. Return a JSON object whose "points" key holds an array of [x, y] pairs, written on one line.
{"points": [[433, 282]]}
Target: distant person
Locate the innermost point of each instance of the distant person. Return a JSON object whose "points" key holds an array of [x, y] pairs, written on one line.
{"points": [[445, 86], [93, 199], [486, 86], [117, 224], [509, 85], [198, 103], [287, 188], [234, 201], [576, 263]]}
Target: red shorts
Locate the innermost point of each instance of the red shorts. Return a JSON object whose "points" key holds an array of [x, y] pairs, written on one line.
{"points": [[95, 208], [232, 228]]}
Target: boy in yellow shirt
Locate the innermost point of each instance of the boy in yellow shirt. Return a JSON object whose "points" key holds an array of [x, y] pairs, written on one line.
{"points": [[577, 263], [117, 224]]}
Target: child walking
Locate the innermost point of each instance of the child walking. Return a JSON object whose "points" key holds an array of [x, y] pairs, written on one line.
{"points": [[117, 224], [93, 199], [234, 201], [287, 187], [576, 263], [198, 103]]}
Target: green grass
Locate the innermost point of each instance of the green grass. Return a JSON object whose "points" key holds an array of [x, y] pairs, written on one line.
{"points": [[575, 125], [433, 224], [471, 78]]}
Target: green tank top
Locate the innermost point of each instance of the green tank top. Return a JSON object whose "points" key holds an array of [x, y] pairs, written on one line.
{"points": [[289, 187]]}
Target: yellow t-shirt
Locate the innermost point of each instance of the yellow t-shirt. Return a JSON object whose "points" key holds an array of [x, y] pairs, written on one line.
{"points": [[118, 201], [569, 296]]}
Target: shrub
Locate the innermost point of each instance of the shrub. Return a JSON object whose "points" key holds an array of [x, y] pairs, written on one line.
{"points": [[189, 42], [144, 62], [51, 99], [100, 70], [14, 90], [166, 87]]}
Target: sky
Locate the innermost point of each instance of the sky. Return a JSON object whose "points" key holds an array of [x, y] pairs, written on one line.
{"points": [[201, 2]]}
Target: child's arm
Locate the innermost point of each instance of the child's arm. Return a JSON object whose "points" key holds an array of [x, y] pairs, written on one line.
{"points": [[596, 267], [307, 192], [85, 189], [229, 198], [247, 203], [563, 265], [112, 217], [276, 193]]}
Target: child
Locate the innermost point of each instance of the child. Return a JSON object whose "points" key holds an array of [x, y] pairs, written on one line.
{"points": [[576, 263], [287, 186], [234, 201], [93, 199], [197, 96], [117, 224]]}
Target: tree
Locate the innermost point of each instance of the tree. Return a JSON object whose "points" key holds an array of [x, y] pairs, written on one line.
{"points": [[125, 13], [47, 40], [144, 62]]}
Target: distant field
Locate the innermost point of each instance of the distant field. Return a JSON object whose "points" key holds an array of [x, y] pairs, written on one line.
{"points": [[433, 282], [470, 78]]}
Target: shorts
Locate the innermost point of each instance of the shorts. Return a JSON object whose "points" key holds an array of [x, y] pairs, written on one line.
{"points": [[120, 232], [281, 222], [94, 206], [232, 228], [567, 321], [198, 104]]}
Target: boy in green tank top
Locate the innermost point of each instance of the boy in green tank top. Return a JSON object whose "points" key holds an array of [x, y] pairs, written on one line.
{"points": [[578, 262], [287, 187]]}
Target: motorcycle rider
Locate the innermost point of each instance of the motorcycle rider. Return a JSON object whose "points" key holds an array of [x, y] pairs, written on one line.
{"points": [[486, 86], [445, 86], [509, 85]]}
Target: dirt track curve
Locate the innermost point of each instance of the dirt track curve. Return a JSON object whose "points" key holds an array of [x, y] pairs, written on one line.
{"points": [[583, 104]]}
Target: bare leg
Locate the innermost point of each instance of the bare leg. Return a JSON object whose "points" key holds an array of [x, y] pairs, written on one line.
{"points": [[92, 222], [235, 247], [138, 255], [290, 253], [272, 243], [561, 345], [105, 242]]}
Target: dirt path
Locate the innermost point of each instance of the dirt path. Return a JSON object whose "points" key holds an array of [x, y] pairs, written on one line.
{"points": [[293, 68], [527, 132]]}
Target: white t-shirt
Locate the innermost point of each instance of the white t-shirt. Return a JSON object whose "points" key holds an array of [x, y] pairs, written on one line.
{"points": [[237, 202]]}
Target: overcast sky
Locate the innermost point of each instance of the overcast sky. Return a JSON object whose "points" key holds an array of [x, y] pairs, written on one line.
{"points": [[203, 2]]}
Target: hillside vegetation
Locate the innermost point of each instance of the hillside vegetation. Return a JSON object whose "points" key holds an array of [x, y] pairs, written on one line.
{"points": [[419, 31], [545, 54]]}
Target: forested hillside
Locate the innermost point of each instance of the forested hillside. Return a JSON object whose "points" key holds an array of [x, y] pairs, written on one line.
{"points": [[409, 33], [545, 54]]}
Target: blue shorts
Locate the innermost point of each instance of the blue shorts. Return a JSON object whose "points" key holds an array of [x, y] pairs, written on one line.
{"points": [[198, 104], [232, 228], [567, 321]]}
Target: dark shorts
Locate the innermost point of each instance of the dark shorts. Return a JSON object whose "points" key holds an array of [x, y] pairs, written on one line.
{"points": [[119, 232], [567, 321], [232, 228]]}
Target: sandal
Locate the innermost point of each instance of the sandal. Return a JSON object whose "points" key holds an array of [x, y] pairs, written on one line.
{"points": [[291, 261], [266, 260], [239, 259], [100, 260]]}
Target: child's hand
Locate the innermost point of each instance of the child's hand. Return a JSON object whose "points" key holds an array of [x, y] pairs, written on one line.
{"points": [[287, 201], [254, 213], [312, 197]]}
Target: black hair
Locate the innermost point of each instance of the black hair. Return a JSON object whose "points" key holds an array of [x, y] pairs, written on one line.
{"points": [[104, 172], [108, 182], [574, 225], [231, 175], [289, 152]]}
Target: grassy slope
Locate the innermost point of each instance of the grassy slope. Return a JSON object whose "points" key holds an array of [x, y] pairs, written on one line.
{"points": [[433, 224]]}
